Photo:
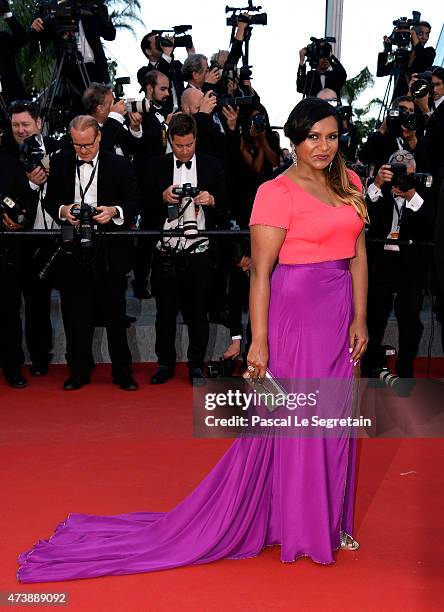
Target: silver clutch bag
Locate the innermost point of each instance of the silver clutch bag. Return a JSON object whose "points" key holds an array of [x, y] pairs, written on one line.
{"points": [[272, 394]]}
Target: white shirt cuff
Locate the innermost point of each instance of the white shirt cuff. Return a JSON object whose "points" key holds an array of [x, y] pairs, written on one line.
{"points": [[61, 218], [119, 220], [167, 58], [236, 337], [373, 192], [415, 203], [7, 15], [138, 134], [117, 116]]}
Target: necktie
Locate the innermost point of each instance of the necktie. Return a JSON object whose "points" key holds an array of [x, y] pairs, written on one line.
{"points": [[188, 164], [80, 162]]}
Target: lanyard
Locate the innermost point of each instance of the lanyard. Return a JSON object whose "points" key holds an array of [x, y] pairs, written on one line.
{"points": [[91, 178], [400, 210]]}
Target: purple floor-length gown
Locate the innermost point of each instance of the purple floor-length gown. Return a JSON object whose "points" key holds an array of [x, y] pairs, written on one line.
{"points": [[267, 490]]}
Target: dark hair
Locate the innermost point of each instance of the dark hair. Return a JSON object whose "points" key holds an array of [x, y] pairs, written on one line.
{"points": [[24, 106], [397, 101], [182, 124], [304, 115], [150, 78], [193, 63], [425, 24], [94, 96], [297, 127], [438, 72], [145, 43]]}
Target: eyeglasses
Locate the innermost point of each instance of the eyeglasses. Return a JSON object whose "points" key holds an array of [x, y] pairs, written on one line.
{"points": [[400, 157], [87, 146]]}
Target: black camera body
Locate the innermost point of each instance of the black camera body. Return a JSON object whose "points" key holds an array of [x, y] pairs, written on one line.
{"points": [[397, 118], [13, 209], [85, 213], [401, 35], [404, 181], [259, 19], [31, 154], [118, 86], [259, 122], [180, 38], [423, 86], [319, 48], [233, 101], [223, 368], [64, 15]]}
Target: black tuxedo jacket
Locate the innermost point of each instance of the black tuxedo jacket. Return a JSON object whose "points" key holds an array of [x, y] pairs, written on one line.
{"points": [[415, 225], [96, 26], [116, 185], [115, 134], [10, 44], [310, 83], [159, 176]]}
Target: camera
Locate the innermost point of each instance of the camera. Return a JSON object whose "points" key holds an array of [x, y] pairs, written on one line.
{"points": [[185, 211], [397, 118], [85, 214], [344, 112], [423, 86], [137, 106], [259, 122], [401, 35], [31, 154], [319, 48], [259, 19], [233, 101], [12, 209], [404, 182], [4, 7], [118, 87], [362, 170], [184, 40], [223, 368], [63, 16]]}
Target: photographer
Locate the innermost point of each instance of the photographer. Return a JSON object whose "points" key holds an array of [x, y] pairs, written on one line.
{"points": [[196, 72], [155, 121], [400, 131], [260, 152], [14, 264], [94, 23], [11, 84], [182, 266], [397, 211], [98, 101], [326, 71], [88, 187], [33, 151], [161, 57], [238, 293], [407, 61]]}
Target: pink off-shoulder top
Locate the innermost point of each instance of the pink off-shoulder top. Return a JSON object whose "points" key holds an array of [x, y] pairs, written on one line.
{"points": [[316, 231]]}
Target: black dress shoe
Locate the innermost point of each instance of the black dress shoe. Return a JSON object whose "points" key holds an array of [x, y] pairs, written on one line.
{"points": [[37, 369], [74, 382], [127, 383], [16, 380], [163, 374], [196, 376]]}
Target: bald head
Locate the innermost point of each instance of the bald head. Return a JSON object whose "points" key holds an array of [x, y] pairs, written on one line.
{"points": [[190, 100], [327, 94]]}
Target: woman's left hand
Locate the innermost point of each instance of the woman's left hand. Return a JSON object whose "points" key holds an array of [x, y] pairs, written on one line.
{"points": [[358, 335]]}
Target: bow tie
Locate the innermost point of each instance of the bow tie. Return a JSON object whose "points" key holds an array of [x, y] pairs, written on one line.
{"points": [[188, 164], [80, 162]]}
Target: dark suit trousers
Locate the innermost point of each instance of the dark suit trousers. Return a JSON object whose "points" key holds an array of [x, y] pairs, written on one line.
{"points": [[389, 274], [188, 291], [11, 351], [83, 292]]}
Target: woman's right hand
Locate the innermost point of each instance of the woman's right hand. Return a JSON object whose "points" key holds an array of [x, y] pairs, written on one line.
{"points": [[257, 360]]}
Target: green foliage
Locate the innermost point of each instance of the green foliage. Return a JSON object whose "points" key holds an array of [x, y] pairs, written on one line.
{"points": [[36, 65], [351, 91]]}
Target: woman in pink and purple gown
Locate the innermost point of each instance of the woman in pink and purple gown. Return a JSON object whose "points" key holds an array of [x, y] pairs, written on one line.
{"points": [[308, 321]]}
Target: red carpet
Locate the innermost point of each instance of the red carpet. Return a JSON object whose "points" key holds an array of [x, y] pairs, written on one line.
{"points": [[103, 451]]}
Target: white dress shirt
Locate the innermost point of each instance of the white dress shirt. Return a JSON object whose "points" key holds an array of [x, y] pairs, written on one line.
{"points": [[181, 176], [85, 172], [43, 220]]}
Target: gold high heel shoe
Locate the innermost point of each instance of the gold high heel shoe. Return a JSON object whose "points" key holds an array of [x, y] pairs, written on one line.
{"points": [[347, 542]]}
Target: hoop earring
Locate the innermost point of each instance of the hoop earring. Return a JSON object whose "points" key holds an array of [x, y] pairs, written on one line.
{"points": [[294, 157]]}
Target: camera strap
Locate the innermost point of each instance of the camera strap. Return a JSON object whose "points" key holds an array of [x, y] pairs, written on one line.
{"points": [[400, 210], [83, 192]]}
